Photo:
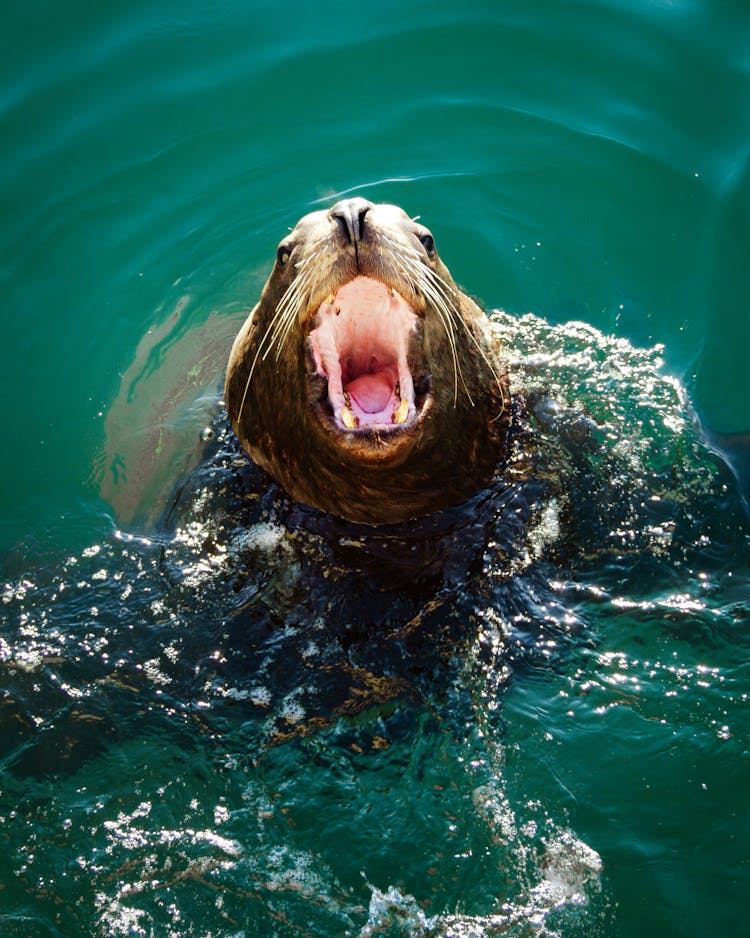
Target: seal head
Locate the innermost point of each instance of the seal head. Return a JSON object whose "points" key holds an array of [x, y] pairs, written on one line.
{"points": [[364, 381]]}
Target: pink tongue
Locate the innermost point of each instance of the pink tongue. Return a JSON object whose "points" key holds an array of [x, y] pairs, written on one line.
{"points": [[371, 392]]}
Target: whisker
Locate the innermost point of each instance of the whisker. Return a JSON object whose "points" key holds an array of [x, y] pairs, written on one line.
{"points": [[442, 306], [289, 306], [401, 256], [287, 311], [481, 351], [280, 323]]}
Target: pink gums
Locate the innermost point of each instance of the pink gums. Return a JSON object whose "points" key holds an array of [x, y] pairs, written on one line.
{"points": [[360, 343]]}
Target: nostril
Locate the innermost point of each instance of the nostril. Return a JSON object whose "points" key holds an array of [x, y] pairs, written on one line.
{"points": [[361, 219], [350, 216], [344, 226]]}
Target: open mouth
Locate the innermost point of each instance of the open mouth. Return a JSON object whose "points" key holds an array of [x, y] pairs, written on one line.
{"points": [[365, 344]]}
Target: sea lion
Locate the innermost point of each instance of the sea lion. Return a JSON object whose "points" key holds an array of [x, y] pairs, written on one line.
{"points": [[364, 381]]}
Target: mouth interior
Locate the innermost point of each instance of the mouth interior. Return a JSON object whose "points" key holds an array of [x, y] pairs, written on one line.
{"points": [[360, 343]]}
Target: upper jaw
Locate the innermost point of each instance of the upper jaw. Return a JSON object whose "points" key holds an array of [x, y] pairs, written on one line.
{"points": [[365, 362]]}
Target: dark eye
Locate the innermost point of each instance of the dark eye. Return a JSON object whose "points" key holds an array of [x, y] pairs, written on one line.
{"points": [[283, 254], [428, 244]]}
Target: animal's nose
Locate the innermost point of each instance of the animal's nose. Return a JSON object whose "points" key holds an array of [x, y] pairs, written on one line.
{"points": [[350, 215]]}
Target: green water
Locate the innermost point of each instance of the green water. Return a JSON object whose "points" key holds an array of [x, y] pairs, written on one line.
{"points": [[209, 724]]}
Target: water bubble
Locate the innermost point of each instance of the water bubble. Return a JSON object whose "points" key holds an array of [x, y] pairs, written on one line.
{"points": [[221, 814], [207, 433]]}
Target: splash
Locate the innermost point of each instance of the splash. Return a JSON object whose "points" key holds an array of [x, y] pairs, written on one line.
{"points": [[226, 717]]}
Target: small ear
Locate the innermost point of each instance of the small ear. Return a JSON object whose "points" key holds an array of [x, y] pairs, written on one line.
{"points": [[471, 310], [238, 354], [254, 315]]}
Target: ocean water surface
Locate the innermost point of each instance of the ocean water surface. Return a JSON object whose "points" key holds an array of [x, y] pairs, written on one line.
{"points": [[223, 714]]}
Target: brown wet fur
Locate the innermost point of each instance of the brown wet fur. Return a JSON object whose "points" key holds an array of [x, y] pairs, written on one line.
{"points": [[377, 477]]}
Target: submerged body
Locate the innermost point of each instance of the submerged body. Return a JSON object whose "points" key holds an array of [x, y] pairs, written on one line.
{"points": [[364, 381]]}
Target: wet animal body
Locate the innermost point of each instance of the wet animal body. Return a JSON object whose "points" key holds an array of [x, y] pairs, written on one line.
{"points": [[364, 381]]}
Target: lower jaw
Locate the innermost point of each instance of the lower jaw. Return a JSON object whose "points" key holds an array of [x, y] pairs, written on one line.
{"points": [[371, 444], [350, 423]]}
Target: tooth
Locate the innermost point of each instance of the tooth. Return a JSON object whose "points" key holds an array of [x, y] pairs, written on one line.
{"points": [[401, 412], [349, 418]]}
